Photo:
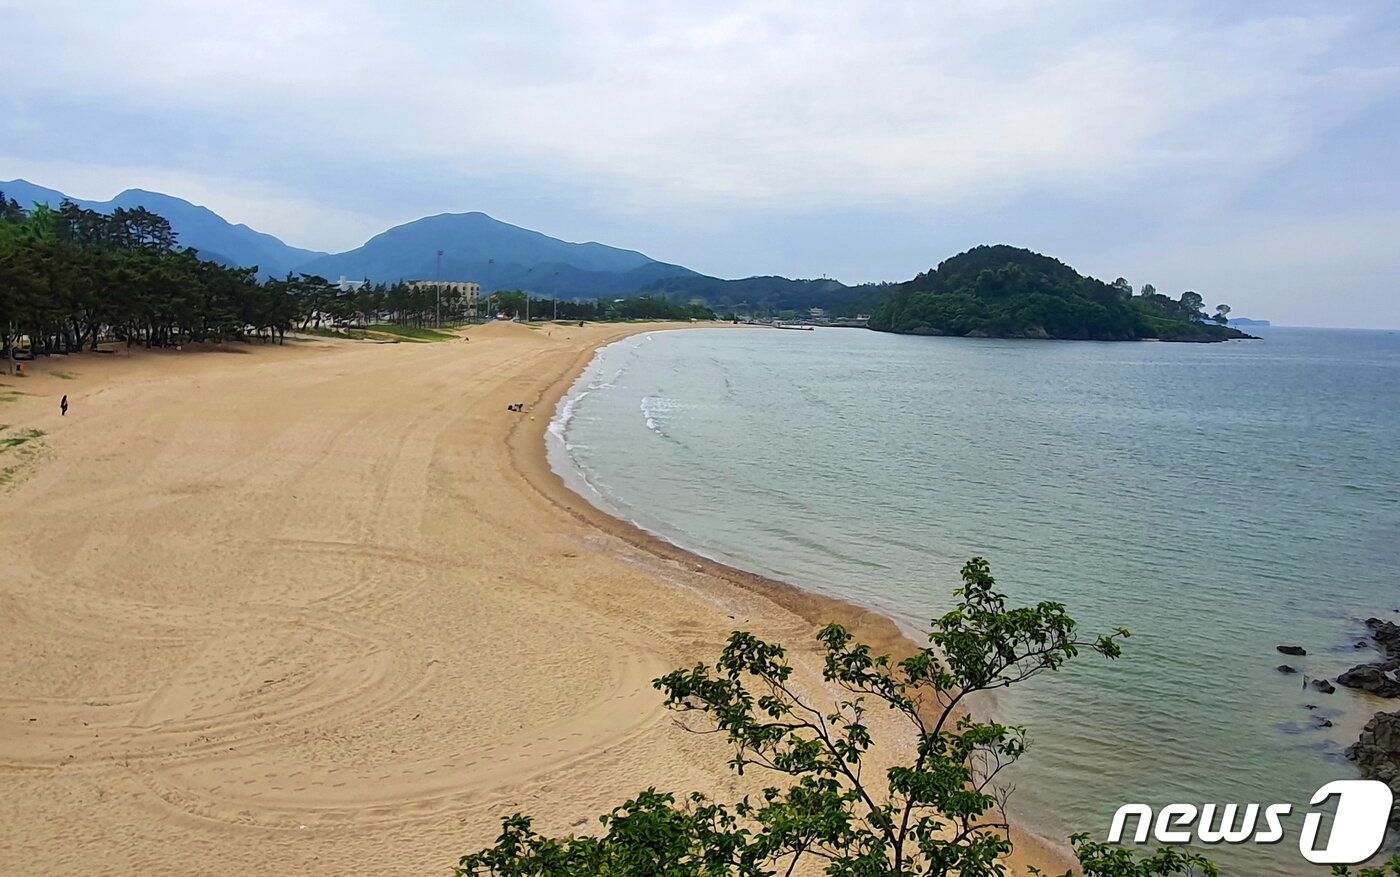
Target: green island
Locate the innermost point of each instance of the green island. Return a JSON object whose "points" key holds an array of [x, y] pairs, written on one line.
{"points": [[1007, 292]]}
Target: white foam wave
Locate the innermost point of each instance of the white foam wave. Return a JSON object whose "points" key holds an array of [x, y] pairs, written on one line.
{"points": [[659, 411]]}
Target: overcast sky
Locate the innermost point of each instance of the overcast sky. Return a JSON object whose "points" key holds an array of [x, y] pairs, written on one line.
{"points": [[1247, 150]]}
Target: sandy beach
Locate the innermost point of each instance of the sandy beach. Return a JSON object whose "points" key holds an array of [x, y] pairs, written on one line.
{"points": [[324, 607]]}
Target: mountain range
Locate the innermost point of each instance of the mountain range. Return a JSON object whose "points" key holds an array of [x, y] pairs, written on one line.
{"points": [[198, 227], [474, 247], [498, 256]]}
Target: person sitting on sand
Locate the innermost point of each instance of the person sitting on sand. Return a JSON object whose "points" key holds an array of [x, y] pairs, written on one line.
{"points": [[63, 406]]}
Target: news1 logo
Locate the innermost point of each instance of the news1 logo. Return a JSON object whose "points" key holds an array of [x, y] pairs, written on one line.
{"points": [[1358, 828]]}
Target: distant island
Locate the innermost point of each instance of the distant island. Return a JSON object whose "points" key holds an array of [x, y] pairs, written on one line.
{"points": [[1245, 321], [1007, 292]]}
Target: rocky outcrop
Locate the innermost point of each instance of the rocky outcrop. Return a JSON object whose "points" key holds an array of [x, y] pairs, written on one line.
{"points": [[1292, 650], [1373, 678], [1387, 636], [1377, 754], [1381, 678]]}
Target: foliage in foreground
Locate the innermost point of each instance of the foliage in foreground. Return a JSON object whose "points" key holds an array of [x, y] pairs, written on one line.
{"points": [[942, 814]]}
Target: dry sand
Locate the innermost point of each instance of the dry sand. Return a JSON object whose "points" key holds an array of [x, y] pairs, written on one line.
{"points": [[325, 608]]}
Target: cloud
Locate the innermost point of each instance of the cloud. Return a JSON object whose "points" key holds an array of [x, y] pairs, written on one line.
{"points": [[743, 103], [659, 121]]}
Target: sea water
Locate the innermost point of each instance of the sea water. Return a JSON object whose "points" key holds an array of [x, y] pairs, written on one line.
{"points": [[1216, 499]]}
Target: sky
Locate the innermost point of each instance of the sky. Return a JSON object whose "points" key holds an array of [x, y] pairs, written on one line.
{"points": [[1246, 150]]}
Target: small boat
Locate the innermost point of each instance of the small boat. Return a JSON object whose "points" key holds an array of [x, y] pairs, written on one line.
{"points": [[792, 326]]}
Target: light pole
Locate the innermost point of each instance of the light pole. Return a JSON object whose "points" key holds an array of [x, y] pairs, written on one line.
{"points": [[437, 283], [490, 284]]}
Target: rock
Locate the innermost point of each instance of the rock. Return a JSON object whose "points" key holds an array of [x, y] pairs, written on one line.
{"points": [[1284, 668], [1323, 686], [1293, 650], [1309, 706], [1325, 723], [1387, 636], [1381, 678], [1377, 753], [1378, 679], [1360, 644]]}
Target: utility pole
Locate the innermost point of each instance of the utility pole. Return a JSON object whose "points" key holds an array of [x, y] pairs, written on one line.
{"points": [[490, 283], [438, 283]]}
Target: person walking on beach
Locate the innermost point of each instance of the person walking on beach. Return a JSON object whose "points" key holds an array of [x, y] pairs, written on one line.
{"points": [[63, 406]]}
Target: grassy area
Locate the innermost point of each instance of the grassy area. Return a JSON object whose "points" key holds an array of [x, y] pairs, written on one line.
{"points": [[381, 332], [14, 441], [324, 332], [16, 451], [413, 333]]}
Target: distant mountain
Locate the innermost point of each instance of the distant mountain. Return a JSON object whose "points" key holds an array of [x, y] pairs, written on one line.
{"points": [[498, 256], [198, 227]]}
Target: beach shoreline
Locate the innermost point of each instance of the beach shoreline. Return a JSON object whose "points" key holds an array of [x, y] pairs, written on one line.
{"points": [[531, 456], [326, 606]]}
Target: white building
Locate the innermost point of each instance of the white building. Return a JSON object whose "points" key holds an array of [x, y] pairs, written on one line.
{"points": [[470, 292]]}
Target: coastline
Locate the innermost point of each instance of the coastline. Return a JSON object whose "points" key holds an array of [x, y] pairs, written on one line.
{"points": [[292, 610], [529, 456]]}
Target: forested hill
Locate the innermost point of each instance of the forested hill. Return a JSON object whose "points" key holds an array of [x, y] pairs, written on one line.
{"points": [[1007, 292]]}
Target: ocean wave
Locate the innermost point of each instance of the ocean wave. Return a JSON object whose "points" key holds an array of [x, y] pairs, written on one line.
{"points": [[659, 411]]}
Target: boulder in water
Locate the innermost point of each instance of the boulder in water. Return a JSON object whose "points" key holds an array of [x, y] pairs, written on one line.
{"points": [[1293, 650], [1323, 686], [1284, 668], [1387, 636], [1378, 679], [1381, 678], [1377, 753]]}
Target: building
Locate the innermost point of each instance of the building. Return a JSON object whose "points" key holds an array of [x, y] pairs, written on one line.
{"points": [[344, 284], [469, 292]]}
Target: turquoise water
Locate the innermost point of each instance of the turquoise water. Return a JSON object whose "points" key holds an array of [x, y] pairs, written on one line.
{"points": [[1215, 499]]}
